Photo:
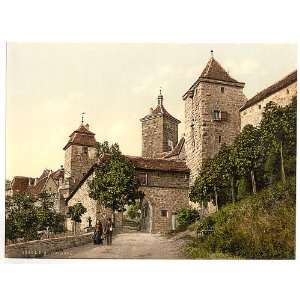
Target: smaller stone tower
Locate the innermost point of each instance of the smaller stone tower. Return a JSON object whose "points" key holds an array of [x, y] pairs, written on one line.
{"points": [[80, 154], [159, 131]]}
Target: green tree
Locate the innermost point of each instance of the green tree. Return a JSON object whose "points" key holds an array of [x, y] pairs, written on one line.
{"points": [[75, 212], [48, 218], [114, 184], [278, 128], [21, 219], [247, 152]]}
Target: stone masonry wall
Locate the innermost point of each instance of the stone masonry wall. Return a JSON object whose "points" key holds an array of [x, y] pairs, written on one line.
{"points": [[156, 132], [94, 210], [77, 162], [170, 133], [207, 135], [40, 248], [165, 191], [253, 114], [152, 137], [170, 199]]}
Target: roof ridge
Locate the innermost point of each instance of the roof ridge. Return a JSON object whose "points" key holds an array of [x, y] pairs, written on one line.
{"points": [[271, 89]]}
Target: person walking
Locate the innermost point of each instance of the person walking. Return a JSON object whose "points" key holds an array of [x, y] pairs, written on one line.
{"points": [[108, 230], [98, 233]]}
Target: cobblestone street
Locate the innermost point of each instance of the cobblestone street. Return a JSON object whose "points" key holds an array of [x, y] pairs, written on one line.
{"points": [[128, 245]]}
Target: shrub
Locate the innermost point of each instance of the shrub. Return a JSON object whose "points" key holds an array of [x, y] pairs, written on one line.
{"points": [[187, 216]]}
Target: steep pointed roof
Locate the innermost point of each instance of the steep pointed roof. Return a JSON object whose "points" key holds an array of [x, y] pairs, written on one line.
{"points": [[160, 111], [81, 136], [214, 70], [214, 73]]}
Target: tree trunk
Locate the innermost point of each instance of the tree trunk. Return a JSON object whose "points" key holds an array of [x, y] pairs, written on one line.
{"points": [[233, 189], [253, 182], [282, 164], [216, 199]]}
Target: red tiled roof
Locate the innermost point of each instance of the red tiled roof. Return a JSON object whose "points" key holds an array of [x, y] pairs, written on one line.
{"points": [[213, 71], [38, 187], [158, 164], [81, 136], [279, 85], [177, 149], [57, 174], [20, 184]]}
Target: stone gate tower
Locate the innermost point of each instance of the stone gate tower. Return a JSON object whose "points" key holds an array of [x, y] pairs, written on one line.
{"points": [[80, 154], [211, 114], [159, 131]]}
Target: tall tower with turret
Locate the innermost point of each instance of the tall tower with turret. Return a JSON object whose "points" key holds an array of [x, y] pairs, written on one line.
{"points": [[80, 154], [159, 131], [212, 115]]}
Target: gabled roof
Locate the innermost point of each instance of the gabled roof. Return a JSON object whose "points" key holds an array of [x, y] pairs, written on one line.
{"points": [[81, 136], [58, 174], [213, 72], [177, 149], [38, 187], [272, 89]]}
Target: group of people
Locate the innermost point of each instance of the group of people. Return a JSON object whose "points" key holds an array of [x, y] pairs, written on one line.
{"points": [[103, 232]]}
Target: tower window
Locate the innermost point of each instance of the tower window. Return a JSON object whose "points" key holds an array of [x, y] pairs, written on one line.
{"points": [[220, 139], [164, 213], [85, 150], [259, 106], [170, 144], [222, 89], [287, 91], [217, 115]]}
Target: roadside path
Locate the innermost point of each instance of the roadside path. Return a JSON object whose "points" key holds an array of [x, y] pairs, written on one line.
{"points": [[128, 245]]}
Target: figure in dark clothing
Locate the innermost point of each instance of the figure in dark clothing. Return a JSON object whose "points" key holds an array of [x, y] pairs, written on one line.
{"points": [[98, 233], [108, 230]]}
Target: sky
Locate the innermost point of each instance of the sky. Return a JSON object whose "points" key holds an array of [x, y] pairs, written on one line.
{"points": [[48, 86]]}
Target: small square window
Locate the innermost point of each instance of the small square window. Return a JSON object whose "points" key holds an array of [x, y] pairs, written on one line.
{"points": [[222, 89], [164, 213], [217, 115]]}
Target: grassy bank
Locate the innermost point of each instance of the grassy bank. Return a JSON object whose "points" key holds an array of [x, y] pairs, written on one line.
{"points": [[261, 226]]}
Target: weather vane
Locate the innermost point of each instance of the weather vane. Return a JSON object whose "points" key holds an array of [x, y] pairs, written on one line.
{"points": [[82, 116]]}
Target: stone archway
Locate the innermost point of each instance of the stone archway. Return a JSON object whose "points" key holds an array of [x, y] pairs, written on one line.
{"points": [[146, 216]]}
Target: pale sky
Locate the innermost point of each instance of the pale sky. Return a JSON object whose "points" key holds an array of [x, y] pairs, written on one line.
{"points": [[49, 85]]}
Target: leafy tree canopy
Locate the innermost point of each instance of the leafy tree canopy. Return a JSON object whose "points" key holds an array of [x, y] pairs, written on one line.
{"points": [[114, 184]]}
